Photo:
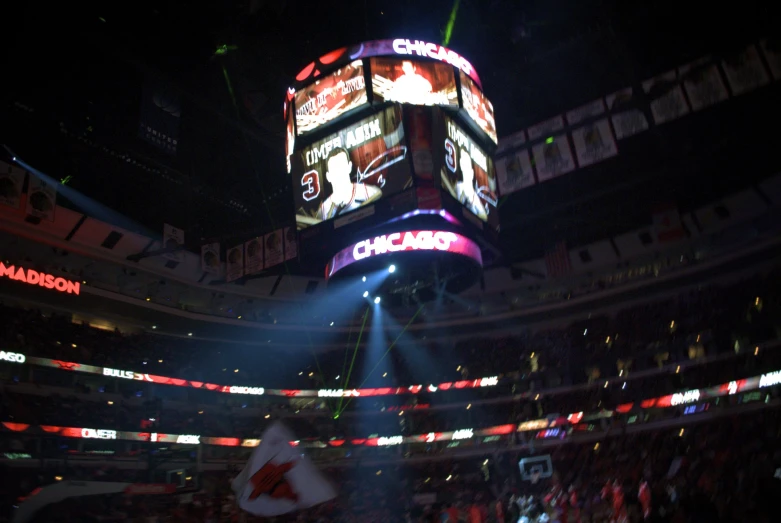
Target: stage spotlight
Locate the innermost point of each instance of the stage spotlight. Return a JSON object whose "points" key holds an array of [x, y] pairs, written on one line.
{"points": [[377, 299], [365, 294], [392, 269], [363, 279]]}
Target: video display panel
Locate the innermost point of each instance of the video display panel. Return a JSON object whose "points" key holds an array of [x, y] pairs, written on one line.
{"points": [[478, 107], [290, 138], [350, 169], [330, 97], [468, 174], [413, 82]]}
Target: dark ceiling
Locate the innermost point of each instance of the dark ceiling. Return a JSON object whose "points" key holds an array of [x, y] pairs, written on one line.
{"points": [[70, 63]]}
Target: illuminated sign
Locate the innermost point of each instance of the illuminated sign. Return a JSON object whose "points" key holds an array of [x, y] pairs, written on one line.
{"points": [[337, 393], [98, 434], [12, 357], [350, 169], [680, 398], [489, 382], [444, 241], [255, 391], [413, 82], [478, 107], [188, 439], [42, 279], [126, 374], [434, 51], [392, 440], [770, 379], [463, 434], [330, 97]]}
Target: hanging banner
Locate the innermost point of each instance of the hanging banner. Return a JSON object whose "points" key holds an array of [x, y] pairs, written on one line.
{"points": [[545, 129], [594, 142], [772, 52], [553, 157], [586, 111], [667, 100], [627, 120], [210, 258], [514, 172], [41, 198], [253, 256], [667, 224], [173, 238], [509, 143], [161, 111], [291, 245], [703, 84], [274, 247], [234, 263], [11, 184], [745, 71]]}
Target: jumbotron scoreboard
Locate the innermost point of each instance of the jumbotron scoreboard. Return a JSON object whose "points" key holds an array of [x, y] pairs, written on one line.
{"points": [[390, 148]]}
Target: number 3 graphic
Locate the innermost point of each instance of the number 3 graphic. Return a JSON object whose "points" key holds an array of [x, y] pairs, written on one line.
{"points": [[311, 181], [450, 155]]}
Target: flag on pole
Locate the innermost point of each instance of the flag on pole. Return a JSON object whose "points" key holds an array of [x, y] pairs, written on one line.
{"points": [[278, 479], [557, 261]]}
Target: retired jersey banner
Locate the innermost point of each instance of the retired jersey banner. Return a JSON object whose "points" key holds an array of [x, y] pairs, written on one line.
{"points": [[584, 112], [278, 479], [173, 238], [253, 256], [594, 142], [627, 119], [514, 172], [11, 184], [234, 263], [703, 84], [744, 71], [291, 244], [41, 198], [274, 248], [210, 258], [667, 100]]}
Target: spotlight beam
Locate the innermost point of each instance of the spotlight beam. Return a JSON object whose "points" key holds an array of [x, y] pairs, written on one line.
{"points": [[340, 409], [383, 356]]}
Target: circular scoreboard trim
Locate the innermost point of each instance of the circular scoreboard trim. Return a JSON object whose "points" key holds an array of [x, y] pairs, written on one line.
{"points": [[403, 241]]}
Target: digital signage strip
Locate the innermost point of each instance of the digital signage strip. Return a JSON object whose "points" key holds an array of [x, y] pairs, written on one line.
{"points": [[542, 426]]}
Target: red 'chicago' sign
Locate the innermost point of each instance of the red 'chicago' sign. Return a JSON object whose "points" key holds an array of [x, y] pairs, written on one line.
{"points": [[32, 277]]}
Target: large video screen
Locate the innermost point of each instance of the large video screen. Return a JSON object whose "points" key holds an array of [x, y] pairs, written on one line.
{"points": [[468, 173], [478, 107], [350, 169], [413, 82], [330, 97]]}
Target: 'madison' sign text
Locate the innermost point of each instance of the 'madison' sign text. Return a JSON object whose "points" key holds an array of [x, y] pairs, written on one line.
{"points": [[32, 277]]}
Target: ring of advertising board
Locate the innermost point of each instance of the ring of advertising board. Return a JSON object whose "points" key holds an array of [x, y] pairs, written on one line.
{"points": [[330, 97], [350, 169], [478, 107], [443, 241], [413, 82], [467, 172]]}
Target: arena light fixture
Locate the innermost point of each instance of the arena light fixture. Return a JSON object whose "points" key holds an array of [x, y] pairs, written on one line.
{"points": [[392, 269], [377, 300], [365, 294]]}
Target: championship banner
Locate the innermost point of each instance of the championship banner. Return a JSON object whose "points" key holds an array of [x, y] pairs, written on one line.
{"points": [[278, 479], [234, 263], [253, 256], [667, 224], [667, 100], [210, 258], [772, 51], [553, 157], [41, 198], [589, 110], [511, 142], [703, 84], [594, 142], [545, 129], [291, 244], [514, 172], [627, 120], [745, 71], [274, 248], [11, 184], [173, 238], [330, 97]]}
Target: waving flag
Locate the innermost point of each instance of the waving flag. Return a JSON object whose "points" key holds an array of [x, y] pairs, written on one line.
{"points": [[278, 479]]}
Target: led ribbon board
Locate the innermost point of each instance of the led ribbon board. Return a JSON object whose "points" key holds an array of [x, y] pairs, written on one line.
{"points": [[443, 241]]}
